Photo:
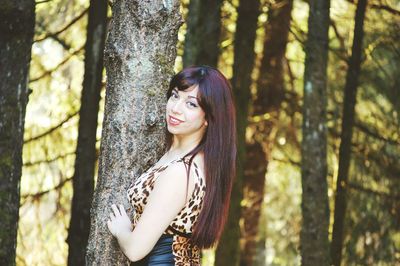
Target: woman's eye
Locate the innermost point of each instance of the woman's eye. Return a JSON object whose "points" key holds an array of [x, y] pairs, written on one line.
{"points": [[174, 95], [191, 104]]}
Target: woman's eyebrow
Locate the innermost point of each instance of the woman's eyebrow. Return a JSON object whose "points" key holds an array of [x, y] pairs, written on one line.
{"points": [[194, 97], [190, 96]]}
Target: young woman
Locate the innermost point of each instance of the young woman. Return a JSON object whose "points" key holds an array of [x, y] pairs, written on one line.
{"points": [[181, 203]]}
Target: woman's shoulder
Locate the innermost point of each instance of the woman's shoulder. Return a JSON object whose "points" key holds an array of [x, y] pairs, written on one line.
{"points": [[197, 163]]}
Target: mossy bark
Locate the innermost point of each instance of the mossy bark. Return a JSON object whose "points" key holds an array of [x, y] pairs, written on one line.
{"points": [[139, 58], [314, 242], [17, 28]]}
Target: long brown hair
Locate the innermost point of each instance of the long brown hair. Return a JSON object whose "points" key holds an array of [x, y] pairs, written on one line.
{"points": [[218, 145]]}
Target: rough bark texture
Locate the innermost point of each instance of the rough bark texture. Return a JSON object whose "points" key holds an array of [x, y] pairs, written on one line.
{"points": [[349, 102], [139, 58], [314, 243], [17, 28], [83, 179], [270, 94], [228, 251], [254, 185], [203, 31]]}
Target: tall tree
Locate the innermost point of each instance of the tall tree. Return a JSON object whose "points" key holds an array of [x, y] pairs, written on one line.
{"points": [[17, 29], [202, 34], [349, 102], [83, 179], [228, 249], [139, 58], [270, 94], [314, 242]]}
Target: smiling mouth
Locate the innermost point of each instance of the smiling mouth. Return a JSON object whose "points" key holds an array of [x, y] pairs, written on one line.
{"points": [[174, 121]]}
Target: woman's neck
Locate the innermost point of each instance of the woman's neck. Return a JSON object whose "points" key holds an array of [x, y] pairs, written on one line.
{"points": [[182, 146]]}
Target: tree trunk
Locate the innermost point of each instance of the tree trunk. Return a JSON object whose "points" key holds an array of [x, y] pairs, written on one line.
{"points": [[254, 197], [139, 58], [202, 34], [314, 243], [17, 29], [270, 94], [83, 179], [349, 102], [228, 251], [270, 83]]}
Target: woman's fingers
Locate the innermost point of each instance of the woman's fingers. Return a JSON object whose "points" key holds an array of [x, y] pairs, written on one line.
{"points": [[116, 211], [122, 210]]}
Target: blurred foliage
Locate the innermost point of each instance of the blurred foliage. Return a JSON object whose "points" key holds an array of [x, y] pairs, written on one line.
{"points": [[373, 214]]}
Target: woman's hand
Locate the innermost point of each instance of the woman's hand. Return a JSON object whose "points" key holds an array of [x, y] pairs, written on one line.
{"points": [[119, 222]]}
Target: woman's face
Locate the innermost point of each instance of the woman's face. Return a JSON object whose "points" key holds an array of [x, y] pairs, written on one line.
{"points": [[184, 115]]}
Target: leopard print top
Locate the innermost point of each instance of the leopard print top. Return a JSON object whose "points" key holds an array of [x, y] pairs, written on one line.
{"points": [[181, 227]]}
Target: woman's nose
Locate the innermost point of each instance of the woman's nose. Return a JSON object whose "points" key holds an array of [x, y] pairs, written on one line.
{"points": [[176, 108]]}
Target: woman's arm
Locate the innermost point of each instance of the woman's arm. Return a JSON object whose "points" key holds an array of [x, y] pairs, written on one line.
{"points": [[165, 201]]}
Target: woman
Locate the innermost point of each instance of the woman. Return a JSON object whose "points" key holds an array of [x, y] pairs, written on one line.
{"points": [[181, 203]]}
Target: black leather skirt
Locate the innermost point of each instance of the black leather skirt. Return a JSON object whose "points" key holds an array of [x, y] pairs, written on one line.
{"points": [[160, 255]]}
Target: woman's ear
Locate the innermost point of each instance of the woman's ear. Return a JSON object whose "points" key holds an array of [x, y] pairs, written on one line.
{"points": [[206, 123]]}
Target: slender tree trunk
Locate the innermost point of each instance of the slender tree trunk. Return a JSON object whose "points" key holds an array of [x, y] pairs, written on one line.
{"points": [[17, 29], [270, 94], [349, 102], [228, 251], [202, 34], [314, 242], [139, 58], [83, 179], [254, 196]]}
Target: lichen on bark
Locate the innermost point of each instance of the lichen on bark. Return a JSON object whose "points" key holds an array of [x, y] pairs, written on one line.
{"points": [[139, 58]]}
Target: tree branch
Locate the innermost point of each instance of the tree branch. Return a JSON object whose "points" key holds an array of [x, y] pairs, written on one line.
{"points": [[42, 2], [72, 22], [366, 130], [52, 129], [27, 164], [48, 72], [54, 37], [386, 8], [355, 186], [36, 196], [340, 37]]}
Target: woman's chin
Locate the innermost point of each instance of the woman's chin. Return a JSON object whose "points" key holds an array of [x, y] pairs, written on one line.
{"points": [[172, 129]]}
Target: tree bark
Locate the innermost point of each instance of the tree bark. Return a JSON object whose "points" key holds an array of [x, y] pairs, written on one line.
{"points": [[314, 243], [17, 29], [349, 102], [203, 32], [270, 94], [228, 250], [270, 83], [254, 196], [85, 160], [139, 58]]}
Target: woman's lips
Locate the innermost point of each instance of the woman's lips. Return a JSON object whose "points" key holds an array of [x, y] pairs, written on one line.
{"points": [[174, 121]]}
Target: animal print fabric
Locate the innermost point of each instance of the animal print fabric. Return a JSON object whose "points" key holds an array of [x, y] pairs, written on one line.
{"points": [[181, 227]]}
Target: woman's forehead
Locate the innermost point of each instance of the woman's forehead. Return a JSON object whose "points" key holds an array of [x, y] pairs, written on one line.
{"points": [[192, 91]]}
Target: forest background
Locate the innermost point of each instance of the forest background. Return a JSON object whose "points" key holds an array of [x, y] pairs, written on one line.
{"points": [[352, 203]]}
